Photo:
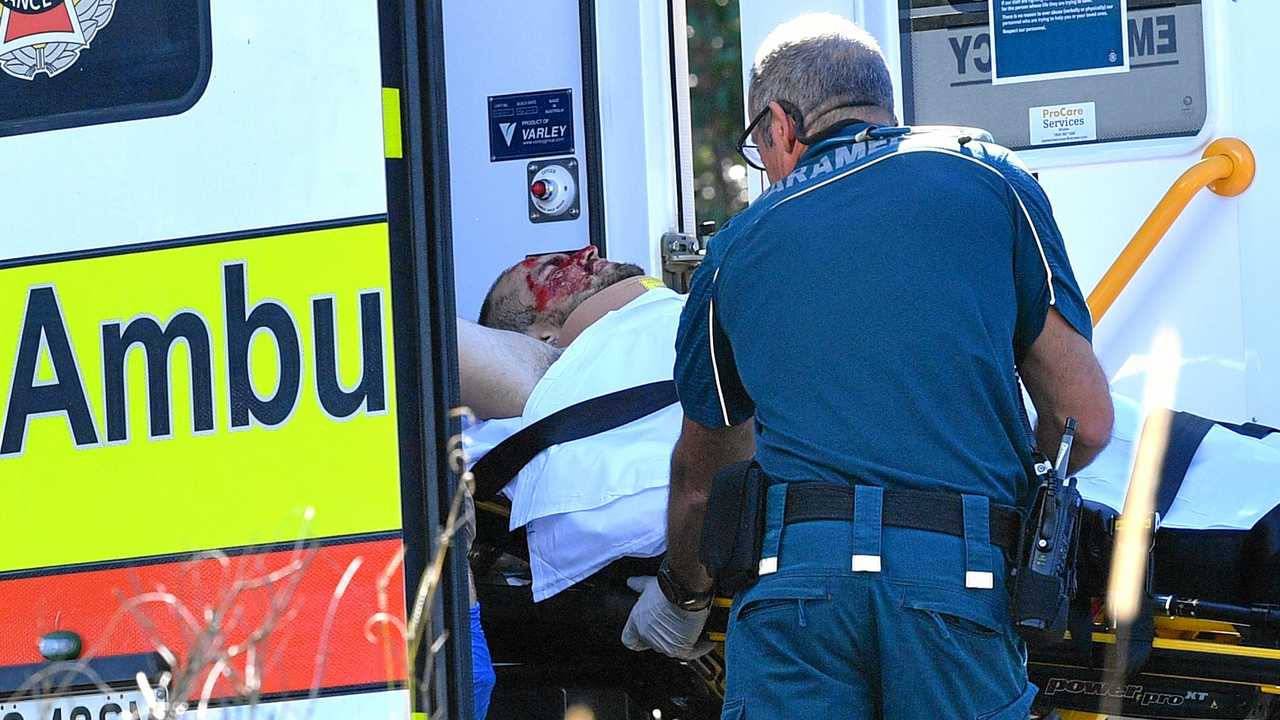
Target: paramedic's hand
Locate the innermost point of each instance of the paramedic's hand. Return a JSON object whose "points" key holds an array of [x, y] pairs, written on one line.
{"points": [[656, 624]]}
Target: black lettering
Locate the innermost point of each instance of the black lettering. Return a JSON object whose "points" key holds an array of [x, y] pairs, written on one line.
{"points": [[42, 326], [1167, 34], [370, 392], [961, 52], [983, 66], [112, 708], [268, 316], [157, 343], [12, 716], [81, 712], [1142, 37]]}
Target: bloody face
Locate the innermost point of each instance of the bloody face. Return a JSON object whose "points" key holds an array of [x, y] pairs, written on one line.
{"points": [[553, 285], [553, 278]]}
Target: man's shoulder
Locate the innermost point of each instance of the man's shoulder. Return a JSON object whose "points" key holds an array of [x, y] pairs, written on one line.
{"points": [[971, 144]]}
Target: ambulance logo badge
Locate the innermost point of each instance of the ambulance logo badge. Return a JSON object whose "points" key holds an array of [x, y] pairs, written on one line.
{"points": [[47, 36]]}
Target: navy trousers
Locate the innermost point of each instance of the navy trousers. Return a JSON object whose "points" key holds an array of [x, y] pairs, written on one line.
{"points": [[816, 640]]}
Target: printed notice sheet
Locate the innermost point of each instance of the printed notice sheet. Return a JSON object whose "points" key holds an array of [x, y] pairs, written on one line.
{"points": [[1048, 39]]}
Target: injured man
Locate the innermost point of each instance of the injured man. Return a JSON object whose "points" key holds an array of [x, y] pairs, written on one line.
{"points": [[557, 330]]}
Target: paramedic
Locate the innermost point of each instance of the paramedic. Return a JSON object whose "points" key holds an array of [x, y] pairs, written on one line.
{"points": [[860, 324]]}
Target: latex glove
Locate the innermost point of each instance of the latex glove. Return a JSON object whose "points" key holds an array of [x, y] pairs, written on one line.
{"points": [[656, 624]]}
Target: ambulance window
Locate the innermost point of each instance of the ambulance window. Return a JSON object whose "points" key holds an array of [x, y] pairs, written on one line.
{"points": [[946, 47], [85, 62], [715, 99]]}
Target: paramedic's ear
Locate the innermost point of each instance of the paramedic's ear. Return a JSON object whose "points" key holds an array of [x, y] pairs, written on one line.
{"points": [[781, 148], [782, 129]]}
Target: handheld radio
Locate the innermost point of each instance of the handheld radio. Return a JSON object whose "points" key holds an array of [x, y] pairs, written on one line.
{"points": [[1044, 577]]}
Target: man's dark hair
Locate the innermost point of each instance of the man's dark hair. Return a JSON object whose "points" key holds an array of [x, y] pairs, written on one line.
{"points": [[504, 311]]}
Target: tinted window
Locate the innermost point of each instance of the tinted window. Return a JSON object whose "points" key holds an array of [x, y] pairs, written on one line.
{"points": [[70, 63]]}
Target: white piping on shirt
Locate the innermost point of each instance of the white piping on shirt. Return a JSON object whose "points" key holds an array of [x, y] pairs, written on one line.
{"points": [[711, 342], [1034, 233]]}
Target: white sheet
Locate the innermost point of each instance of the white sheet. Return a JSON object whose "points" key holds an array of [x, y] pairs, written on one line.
{"points": [[1233, 480]]}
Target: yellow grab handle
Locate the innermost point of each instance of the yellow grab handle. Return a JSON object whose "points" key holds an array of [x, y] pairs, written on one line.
{"points": [[1227, 168]]}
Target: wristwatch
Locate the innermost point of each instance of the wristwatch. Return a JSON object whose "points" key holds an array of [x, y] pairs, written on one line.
{"points": [[679, 595]]}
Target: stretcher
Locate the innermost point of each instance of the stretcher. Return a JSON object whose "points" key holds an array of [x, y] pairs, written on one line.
{"points": [[1208, 645]]}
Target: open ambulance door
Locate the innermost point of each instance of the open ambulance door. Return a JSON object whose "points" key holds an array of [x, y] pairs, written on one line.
{"points": [[226, 360]]}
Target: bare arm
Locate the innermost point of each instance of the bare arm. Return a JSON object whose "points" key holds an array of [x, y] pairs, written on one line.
{"points": [[1064, 380], [699, 454], [498, 368]]}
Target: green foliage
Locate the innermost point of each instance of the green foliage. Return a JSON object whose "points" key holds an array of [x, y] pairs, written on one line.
{"points": [[715, 79]]}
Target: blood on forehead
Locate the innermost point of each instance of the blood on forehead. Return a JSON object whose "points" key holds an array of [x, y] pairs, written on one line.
{"points": [[541, 294], [567, 279]]}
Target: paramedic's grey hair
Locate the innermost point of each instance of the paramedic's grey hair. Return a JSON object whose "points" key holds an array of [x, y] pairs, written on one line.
{"points": [[818, 62]]}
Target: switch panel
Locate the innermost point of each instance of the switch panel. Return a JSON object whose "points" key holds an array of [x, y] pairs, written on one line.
{"points": [[553, 190]]}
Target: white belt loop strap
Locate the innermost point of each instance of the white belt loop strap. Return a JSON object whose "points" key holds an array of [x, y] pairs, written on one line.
{"points": [[775, 515], [868, 517], [977, 543]]}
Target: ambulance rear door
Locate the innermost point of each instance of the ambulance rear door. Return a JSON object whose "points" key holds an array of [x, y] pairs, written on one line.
{"points": [[225, 315]]}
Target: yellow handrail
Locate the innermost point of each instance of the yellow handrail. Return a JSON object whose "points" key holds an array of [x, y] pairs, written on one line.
{"points": [[1227, 168]]}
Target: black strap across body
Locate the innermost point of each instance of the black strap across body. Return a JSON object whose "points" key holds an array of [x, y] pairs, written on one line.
{"points": [[499, 466]]}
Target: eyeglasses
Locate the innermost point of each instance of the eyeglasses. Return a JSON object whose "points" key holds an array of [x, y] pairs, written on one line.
{"points": [[749, 150]]}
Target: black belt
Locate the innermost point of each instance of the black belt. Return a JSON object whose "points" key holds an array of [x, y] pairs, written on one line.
{"points": [[915, 509]]}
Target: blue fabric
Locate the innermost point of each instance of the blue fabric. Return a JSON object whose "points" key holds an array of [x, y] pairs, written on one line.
{"points": [[869, 311], [977, 534], [818, 640], [482, 674], [868, 516], [776, 507]]}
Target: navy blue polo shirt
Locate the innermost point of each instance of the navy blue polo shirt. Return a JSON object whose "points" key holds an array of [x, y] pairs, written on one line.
{"points": [[870, 311]]}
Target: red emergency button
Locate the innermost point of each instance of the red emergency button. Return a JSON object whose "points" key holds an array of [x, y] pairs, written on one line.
{"points": [[541, 189]]}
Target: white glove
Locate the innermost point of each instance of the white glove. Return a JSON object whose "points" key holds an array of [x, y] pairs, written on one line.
{"points": [[656, 624]]}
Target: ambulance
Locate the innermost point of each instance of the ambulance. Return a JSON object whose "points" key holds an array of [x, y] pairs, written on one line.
{"points": [[227, 383], [235, 235]]}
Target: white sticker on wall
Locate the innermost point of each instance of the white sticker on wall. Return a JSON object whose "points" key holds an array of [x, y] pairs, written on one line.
{"points": [[1053, 124]]}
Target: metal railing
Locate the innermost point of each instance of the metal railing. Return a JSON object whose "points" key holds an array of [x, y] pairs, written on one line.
{"points": [[1227, 168]]}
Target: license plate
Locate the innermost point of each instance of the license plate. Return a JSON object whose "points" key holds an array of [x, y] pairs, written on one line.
{"points": [[125, 705]]}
